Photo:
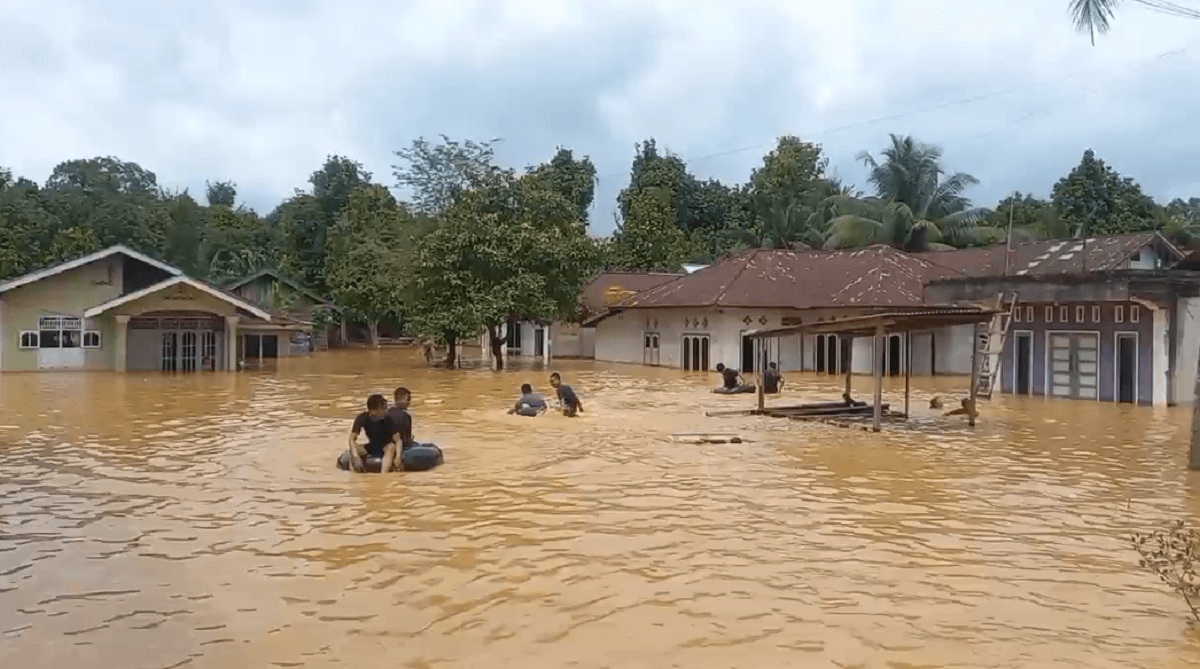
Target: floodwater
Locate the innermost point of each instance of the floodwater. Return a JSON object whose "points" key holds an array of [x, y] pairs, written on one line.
{"points": [[197, 521]]}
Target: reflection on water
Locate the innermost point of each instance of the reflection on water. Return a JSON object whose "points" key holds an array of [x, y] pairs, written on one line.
{"points": [[198, 521]]}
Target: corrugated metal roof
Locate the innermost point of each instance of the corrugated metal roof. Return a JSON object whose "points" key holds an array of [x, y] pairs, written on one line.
{"points": [[876, 276], [896, 321], [1055, 256]]}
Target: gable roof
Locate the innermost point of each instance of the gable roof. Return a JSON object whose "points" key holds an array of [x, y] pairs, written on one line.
{"points": [[53, 270], [876, 276], [291, 283], [592, 297], [175, 280], [1055, 256]]}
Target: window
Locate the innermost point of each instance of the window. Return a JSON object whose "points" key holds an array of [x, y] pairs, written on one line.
{"points": [[59, 332], [1064, 315], [1119, 316], [91, 339], [1028, 314], [1079, 314], [1134, 314], [1017, 315], [1049, 314], [29, 339], [1095, 314]]}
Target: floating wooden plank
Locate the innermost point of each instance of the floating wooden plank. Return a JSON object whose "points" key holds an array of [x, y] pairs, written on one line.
{"points": [[731, 412]]}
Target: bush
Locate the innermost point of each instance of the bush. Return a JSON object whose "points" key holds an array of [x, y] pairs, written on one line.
{"points": [[1173, 554]]}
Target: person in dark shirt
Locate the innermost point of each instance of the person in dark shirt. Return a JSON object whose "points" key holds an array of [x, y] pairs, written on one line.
{"points": [[383, 436], [732, 377], [772, 380], [566, 396], [530, 403], [399, 413]]}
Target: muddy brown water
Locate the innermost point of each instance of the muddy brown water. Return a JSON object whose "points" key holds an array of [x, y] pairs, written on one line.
{"points": [[154, 521]]}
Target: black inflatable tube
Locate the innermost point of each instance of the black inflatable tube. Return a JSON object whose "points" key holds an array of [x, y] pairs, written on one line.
{"points": [[416, 458], [740, 390]]}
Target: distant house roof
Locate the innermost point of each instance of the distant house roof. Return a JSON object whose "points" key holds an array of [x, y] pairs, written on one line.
{"points": [[176, 280], [52, 270], [273, 274], [594, 293], [1055, 256], [876, 276]]}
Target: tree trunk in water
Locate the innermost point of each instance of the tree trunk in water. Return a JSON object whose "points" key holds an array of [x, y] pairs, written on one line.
{"points": [[451, 354], [497, 344], [374, 329]]}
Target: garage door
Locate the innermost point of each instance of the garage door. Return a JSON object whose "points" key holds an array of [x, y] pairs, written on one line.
{"points": [[1074, 365]]}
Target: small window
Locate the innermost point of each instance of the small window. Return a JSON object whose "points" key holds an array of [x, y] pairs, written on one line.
{"points": [[1017, 315], [1079, 314], [1134, 313], [71, 338], [91, 339], [1064, 315], [1049, 314], [50, 339], [1095, 314], [50, 323], [1119, 315], [29, 340], [1028, 314]]}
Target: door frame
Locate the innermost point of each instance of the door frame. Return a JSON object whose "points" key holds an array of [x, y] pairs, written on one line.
{"points": [[1049, 371], [686, 350], [654, 351], [887, 354], [1137, 397], [1017, 334]]}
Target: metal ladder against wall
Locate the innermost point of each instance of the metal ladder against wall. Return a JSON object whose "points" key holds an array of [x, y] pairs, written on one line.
{"points": [[990, 340]]}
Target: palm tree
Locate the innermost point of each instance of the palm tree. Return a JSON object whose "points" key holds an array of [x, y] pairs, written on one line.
{"points": [[1092, 16], [917, 205]]}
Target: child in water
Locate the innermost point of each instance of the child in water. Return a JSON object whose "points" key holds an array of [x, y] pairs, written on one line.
{"points": [[530, 403], [567, 398], [400, 414]]}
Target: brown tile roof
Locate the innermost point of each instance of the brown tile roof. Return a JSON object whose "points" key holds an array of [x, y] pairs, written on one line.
{"points": [[876, 276], [1055, 256], [592, 297]]}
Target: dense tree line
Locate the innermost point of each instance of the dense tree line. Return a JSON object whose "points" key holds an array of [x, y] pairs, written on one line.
{"points": [[479, 244]]}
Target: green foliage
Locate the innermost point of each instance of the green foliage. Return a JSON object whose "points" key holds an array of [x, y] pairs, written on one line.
{"points": [[1094, 200], [1173, 554], [440, 175], [573, 179], [650, 237], [221, 193], [236, 244], [514, 247], [792, 167], [367, 269]]}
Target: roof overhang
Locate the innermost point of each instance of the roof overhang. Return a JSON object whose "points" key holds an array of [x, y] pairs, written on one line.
{"points": [[48, 272], [900, 321], [176, 280], [294, 285]]}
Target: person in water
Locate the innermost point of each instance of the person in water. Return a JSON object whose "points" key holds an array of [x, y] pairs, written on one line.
{"points": [[399, 413], [383, 436], [772, 379], [733, 379], [530, 403], [566, 396]]}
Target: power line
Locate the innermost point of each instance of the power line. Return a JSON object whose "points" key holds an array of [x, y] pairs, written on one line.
{"points": [[1171, 8]]}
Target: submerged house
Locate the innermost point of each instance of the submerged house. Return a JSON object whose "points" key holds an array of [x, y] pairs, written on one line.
{"points": [[697, 320], [118, 309], [292, 308], [1110, 319]]}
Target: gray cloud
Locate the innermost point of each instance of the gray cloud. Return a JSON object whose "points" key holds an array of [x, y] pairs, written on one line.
{"points": [[260, 92]]}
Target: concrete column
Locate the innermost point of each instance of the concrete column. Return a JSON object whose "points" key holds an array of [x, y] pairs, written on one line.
{"points": [[504, 347], [878, 359], [231, 333], [121, 345], [546, 348], [1161, 351]]}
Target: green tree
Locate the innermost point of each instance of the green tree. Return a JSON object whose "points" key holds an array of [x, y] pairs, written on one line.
{"points": [[571, 178], [221, 193], [235, 244], [368, 267], [1095, 200], [440, 174], [514, 247], [185, 238]]}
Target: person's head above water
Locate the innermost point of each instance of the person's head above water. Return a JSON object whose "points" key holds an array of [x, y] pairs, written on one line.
{"points": [[526, 389], [770, 365], [555, 380], [720, 367], [402, 397], [376, 405]]}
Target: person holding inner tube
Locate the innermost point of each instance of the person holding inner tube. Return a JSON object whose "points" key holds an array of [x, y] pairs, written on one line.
{"points": [[398, 412], [772, 379], [566, 396], [733, 378], [383, 437], [530, 403]]}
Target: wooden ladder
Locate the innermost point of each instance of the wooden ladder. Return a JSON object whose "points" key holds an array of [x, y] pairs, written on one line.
{"points": [[990, 340]]}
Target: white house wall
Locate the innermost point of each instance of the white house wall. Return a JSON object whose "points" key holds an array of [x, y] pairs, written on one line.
{"points": [[620, 338], [1187, 351]]}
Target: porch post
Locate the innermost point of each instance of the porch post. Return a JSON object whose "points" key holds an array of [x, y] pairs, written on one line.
{"points": [[546, 348], [231, 327], [1161, 361], [121, 346], [974, 391], [758, 346], [485, 342], [849, 364], [878, 376], [907, 370]]}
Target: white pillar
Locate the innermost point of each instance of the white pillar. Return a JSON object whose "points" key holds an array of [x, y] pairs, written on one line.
{"points": [[485, 343], [504, 346], [121, 345], [546, 348], [231, 326], [1160, 350]]}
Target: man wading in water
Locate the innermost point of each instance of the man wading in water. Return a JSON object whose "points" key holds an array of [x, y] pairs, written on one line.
{"points": [[398, 412], [566, 396], [733, 379], [383, 438]]}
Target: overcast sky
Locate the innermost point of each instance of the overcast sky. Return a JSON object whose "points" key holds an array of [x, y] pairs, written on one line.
{"points": [[260, 91]]}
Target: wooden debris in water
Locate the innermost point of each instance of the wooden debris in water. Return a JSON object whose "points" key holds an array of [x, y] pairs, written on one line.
{"points": [[708, 438]]}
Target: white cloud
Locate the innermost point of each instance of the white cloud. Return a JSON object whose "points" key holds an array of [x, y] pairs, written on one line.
{"points": [[260, 92]]}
